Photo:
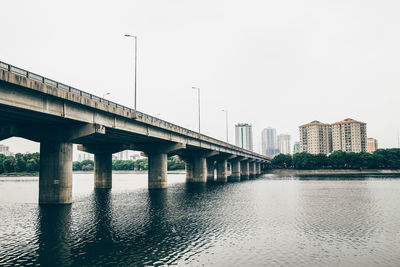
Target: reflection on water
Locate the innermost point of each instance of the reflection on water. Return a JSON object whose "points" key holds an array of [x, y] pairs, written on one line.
{"points": [[271, 221]]}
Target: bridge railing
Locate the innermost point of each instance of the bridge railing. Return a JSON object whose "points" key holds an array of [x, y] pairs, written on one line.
{"points": [[141, 115]]}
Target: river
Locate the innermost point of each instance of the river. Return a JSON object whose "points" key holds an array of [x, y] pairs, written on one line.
{"points": [[270, 221]]}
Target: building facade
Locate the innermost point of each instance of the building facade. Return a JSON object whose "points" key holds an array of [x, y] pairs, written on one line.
{"points": [[269, 144], [315, 138], [244, 136], [5, 150], [296, 147], [349, 136], [372, 145], [284, 143]]}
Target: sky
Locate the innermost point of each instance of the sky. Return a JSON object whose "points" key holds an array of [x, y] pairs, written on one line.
{"points": [[268, 63]]}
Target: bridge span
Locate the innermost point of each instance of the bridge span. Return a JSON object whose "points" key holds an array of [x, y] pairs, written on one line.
{"points": [[58, 115]]}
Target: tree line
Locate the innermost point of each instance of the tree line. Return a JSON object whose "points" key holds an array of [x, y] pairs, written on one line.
{"points": [[380, 159], [19, 163], [30, 163], [174, 163]]}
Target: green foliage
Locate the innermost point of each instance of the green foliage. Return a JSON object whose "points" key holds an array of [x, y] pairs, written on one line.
{"points": [[282, 161], [380, 159]]}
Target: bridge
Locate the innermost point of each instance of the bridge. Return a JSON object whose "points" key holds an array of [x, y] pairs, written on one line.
{"points": [[57, 115]]}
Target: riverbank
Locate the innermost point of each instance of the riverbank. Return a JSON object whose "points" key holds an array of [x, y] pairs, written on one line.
{"points": [[320, 172], [31, 174]]}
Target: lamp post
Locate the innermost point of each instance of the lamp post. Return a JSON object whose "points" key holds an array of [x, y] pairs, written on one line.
{"points": [[198, 97], [104, 95], [135, 37], [226, 122]]}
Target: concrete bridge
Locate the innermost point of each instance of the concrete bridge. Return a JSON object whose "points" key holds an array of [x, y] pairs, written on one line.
{"points": [[57, 115]]}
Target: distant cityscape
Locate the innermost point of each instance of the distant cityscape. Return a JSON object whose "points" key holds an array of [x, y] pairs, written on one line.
{"points": [[315, 138]]}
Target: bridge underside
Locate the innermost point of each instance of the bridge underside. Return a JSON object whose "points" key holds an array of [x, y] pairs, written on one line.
{"points": [[57, 123]]}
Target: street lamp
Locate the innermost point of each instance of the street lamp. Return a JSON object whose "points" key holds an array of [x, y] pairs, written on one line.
{"points": [[104, 95], [226, 122], [135, 37], [198, 97]]}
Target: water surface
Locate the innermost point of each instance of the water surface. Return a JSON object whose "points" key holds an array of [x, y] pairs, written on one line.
{"points": [[270, 221]]}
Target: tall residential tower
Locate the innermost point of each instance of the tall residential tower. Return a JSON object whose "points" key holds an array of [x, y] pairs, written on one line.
{"points": [[244, 136], [269, 145], [349, 136], [315, 138]]}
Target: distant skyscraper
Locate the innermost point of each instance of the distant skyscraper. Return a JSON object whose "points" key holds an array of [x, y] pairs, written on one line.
{"points": [[349, 136], [244, 136], [5, 150], [296, 147], [268, 142], [284, 143], [372, 145], [315, 138]]}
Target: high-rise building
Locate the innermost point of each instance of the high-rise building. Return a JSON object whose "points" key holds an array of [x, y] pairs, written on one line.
{"points": [[5, 150], [269, 145], [296, 147], [244, 136], [349, 136], [315, 138], [284, 143], [372, 145], [85, 156]]}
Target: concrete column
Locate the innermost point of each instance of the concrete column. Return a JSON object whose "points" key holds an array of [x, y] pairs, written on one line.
{"points": [[252, 169], [258, 168], [102, 170], [235, 177], [189, 170], [222, 172], [199, 170], [245, 174], [157, 170], [55, 177], [210, 171]]}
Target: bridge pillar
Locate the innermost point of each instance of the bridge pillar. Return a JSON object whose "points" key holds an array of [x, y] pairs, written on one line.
{"points": [[157, 170], [258, 169], [196, 170], [235, 170], [102, 170], [210, 171], [245, 174], [55, 177], [222, 170], [252, 169]]}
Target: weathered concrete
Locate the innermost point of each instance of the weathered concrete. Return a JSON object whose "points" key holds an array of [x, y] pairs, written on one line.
{"points": [[157, 170], [102, 170], [245, 170], [259, 169], [253, 172], [222, 170], [196, 170], [210, 171], [235, 176], [55, 178]]}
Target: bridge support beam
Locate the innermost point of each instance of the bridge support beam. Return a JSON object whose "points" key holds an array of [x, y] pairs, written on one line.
{"points": [[245, 174], [196, 170], [210, 170], [103, 170], [157, 170], [222, 170], [258, 169], [235, 167], [253, 171], [55, 177]]}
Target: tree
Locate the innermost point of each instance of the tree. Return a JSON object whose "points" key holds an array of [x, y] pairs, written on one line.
{"points": [[9, 164], [282, 161]]}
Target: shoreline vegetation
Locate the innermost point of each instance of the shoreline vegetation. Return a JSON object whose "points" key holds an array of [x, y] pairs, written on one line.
{"points": [[331, 172], [381, 159], [21, 165]]}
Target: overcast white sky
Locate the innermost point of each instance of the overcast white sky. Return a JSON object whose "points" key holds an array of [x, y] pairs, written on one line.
{"points": [[269, 63]]}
